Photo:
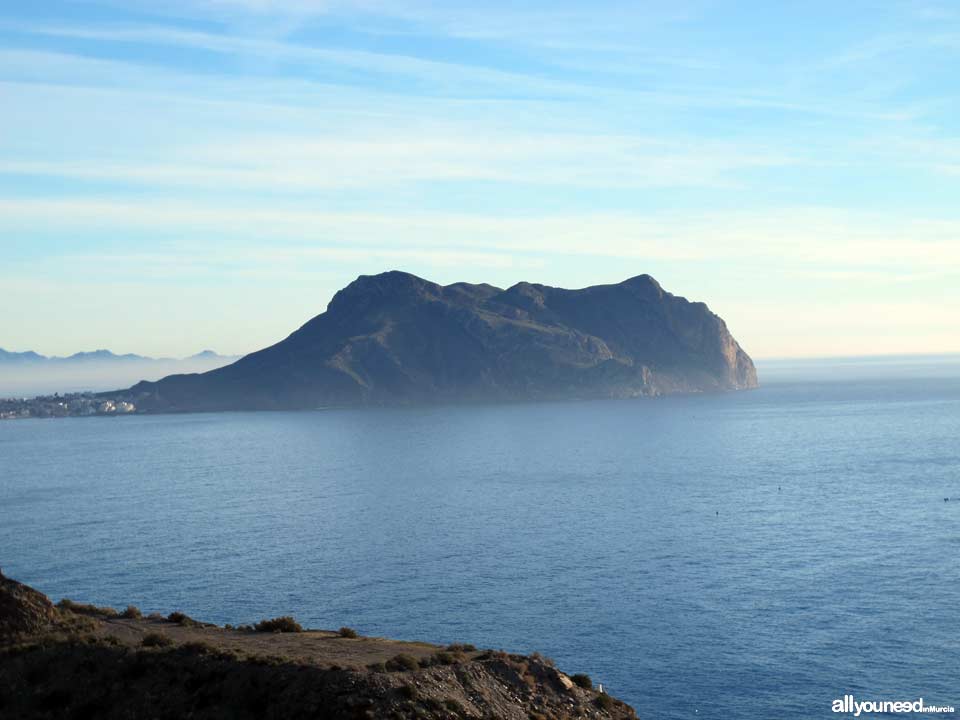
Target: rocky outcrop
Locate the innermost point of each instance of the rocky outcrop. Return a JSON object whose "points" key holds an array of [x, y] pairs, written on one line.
{"points": [[395, 338], [88, 662], [23, 609]]}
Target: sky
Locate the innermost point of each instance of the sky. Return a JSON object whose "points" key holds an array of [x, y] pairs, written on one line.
{"points": [[193, 174]]}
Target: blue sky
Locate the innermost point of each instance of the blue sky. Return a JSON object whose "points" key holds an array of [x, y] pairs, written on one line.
{"points": [[207, 173]]}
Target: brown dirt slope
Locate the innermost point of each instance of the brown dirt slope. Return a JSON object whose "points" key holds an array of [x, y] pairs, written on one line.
{"points": [[79, 661]]}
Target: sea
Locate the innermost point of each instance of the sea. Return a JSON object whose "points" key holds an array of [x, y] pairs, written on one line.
{"points": [[733, 556]]}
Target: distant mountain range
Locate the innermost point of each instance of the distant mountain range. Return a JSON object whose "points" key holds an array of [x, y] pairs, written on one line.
{"points": [[29, 373], [28, 357], [395, 338]]}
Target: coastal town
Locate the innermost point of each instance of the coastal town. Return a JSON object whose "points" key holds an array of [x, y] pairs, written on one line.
{"points": [[58, 406]]}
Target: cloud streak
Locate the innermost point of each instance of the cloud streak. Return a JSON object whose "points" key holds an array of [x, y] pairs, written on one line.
{"points": [[206, 145], [848, 243], [311, 163]]}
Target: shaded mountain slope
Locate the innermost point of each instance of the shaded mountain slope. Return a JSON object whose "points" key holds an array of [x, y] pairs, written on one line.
{"points": [[395, 338]]}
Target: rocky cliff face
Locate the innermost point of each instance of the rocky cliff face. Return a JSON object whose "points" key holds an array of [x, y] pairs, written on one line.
{"points": [[395, 338], [22, 609]]}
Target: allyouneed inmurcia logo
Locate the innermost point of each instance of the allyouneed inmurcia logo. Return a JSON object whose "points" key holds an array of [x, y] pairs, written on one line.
{"points": [[855, 707]]}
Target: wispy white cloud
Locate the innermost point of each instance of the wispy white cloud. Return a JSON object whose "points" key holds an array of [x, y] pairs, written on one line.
{"points": [[449, 76], [449, 80], [537, 23], [819, 239], [921, 149], [881, 46], [678, 146], [190, 261], [312, 163]]}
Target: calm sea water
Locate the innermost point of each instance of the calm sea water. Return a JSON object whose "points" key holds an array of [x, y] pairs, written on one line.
{"points": [[751, 555]]}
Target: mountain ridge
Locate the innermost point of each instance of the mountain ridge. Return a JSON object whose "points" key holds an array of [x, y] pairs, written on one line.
{"points": [[28, 373], [101, 354], [395, 338]]}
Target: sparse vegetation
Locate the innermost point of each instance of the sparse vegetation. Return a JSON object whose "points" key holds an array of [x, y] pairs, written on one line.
{"points": [[461, 647], [199, 647], [85, 609], [131, 613], [541, 658], [268, 660], [78, 665], [155, 639], [346, 632], [403, 662], [285, 624], [444, 658], [76, 624], [605, 702], [181, 619], [582, 680], [494, 655]]}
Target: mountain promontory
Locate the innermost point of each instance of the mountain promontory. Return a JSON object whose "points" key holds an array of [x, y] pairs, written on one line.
{"points": [[75, 660], [395, 339]]}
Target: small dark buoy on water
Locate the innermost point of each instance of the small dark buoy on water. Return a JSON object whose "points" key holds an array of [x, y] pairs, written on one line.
{"points": [[718, 512]]}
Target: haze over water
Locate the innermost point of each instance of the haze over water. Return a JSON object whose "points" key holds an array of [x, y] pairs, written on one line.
{"points": [[743, 555]]}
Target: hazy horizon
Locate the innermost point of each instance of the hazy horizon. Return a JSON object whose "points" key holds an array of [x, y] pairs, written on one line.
{"points": [[65, 375], [237, 355], [98, 375]]}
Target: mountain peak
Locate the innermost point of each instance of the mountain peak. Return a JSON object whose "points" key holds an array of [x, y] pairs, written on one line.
{"points": [[395, 338], [391, 280], [100, 353], [28, 355], [393, 285], [644, 283]]}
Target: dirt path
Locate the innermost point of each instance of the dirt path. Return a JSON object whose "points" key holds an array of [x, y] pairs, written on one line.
{"points": [[314, 647]]}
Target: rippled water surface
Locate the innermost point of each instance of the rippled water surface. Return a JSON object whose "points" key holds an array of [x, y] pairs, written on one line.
{"points": [[747, 555]]}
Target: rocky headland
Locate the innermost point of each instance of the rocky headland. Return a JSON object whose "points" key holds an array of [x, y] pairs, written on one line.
{"points": [[394, 339], [72, 660]]}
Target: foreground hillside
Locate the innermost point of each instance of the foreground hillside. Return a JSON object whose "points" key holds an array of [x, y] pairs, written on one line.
{"points": [[395, 338], [78, 661]]}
